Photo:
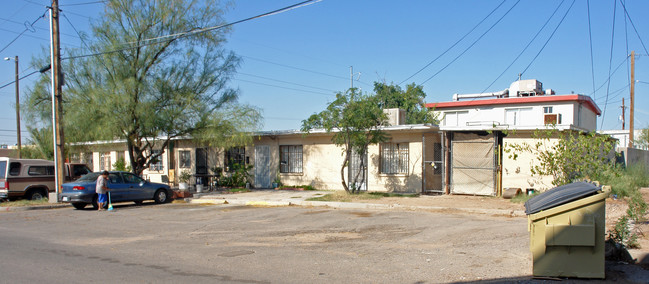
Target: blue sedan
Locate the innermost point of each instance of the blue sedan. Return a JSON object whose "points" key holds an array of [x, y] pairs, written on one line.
{"points": [[124, 186]]}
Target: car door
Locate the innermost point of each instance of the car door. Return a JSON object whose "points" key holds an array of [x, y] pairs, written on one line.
{"points": [[137, 189], [117, 187]]}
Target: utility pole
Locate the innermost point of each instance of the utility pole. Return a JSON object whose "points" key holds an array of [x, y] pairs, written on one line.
{"points": [[17, 104], [632, 102], [57, 109], [623, 110], [351, 76], [18, 107]]}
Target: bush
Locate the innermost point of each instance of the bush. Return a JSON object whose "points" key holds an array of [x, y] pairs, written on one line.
{"points": [[238, 178], [626, 183]]}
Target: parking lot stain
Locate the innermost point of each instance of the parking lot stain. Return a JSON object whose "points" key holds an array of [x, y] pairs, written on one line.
{"points": [[236, 253]]}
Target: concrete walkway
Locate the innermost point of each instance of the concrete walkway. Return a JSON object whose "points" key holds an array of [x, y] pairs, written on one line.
{"points": [[300, 198]]}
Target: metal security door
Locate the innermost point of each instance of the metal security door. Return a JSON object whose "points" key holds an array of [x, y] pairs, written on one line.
{"points": [[433, 164], [473, 164], [357, 179], [262, 166], [201, 161]]}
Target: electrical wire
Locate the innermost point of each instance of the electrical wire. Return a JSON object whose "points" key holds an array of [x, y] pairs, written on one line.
{"points": [[549, 38], [23, 77], [524, 49], [590, 42], [167, 38], [470, 46], [75, 30], [609, 76], [626, 13], [86, 3], [281, 87], [610, 61], [277, 80], [454, 44], [25, 30]]}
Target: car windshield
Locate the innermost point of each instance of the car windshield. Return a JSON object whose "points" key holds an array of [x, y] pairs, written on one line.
{"points": [[89, 177]]}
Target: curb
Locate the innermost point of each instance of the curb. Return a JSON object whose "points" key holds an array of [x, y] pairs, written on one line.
{"points": [[29, 208], [352, 205]]}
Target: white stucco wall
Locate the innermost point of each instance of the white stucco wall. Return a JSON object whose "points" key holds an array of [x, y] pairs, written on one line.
{"points": [[517, 171]]}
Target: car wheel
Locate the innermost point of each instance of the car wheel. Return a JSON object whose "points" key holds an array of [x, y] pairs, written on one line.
{"points": [[138, 202], [160, 196], [36, 194], [79, 206]]}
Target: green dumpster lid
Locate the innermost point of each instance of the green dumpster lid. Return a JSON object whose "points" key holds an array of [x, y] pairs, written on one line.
{"points": [[560, 195]]}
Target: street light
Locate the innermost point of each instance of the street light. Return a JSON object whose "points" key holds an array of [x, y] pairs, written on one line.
{"points": [[17, 103]]}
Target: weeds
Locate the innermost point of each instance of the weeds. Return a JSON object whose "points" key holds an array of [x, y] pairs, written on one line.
{"points": [[626, 183], [24, 202], [343, 196]]}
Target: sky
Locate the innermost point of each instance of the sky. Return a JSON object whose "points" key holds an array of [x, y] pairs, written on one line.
{"points": [[294, 62]]}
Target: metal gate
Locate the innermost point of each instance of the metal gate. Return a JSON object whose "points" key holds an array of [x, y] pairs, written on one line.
{"points": [[473, 164], [357, 163], [262, 166], [433, 164]]}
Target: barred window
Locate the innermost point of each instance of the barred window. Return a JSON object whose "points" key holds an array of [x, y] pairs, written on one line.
{"points": [[104, 162], [394, 158], [290, 159], [185, 159], [235, 156]]}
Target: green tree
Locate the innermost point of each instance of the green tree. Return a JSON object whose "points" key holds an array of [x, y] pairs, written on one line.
{"points": [[354, 119], [411, 100], [152, 81], [574, 155], [41, 144], [643, 140]]}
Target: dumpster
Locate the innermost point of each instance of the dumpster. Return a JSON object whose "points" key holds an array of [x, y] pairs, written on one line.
{"points": [[567, 228]]}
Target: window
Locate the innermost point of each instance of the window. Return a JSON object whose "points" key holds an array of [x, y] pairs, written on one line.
{"points": [[79, 170], [14, 169], [104, 162], [156, 161], [235, 156], [290, 159], [185, 159], [87, 159], [3, 169], [41, 171], [131, 178], [547, 109], [394, 158]]}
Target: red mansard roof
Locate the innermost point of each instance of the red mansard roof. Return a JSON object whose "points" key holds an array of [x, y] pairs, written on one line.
{"points": [[586, 100]]}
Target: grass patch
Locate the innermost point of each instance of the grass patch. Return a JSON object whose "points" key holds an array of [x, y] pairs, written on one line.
{"points": [[522, 198], [626, 182], [343, 196], [24, 202], [305, 187], [238, 190]]}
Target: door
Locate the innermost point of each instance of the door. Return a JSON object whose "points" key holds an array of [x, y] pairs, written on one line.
{"points": [[201, 161], [262, 166], [433, 164], [358, 171], [473, 164]]}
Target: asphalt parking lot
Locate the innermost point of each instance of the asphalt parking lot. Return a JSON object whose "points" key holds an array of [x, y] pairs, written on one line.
{"points": [[178, 243]]}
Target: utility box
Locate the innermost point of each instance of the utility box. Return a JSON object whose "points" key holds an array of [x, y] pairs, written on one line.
{"points": [[567, 228]]}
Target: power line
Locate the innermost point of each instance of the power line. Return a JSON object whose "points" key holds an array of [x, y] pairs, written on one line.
{"points": [[590, 41], [23, 77], [26, 29], [633, 25], [528, 45], [86, 3], [167, 38], [549, 38], [458, 41], [610, 61], [281, 87], [476, 41], [609, 76], [277, 80], [75, 30], [301, 69]]}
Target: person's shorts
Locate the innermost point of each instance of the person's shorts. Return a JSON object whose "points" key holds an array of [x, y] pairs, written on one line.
{"points": [[101, 198]]}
